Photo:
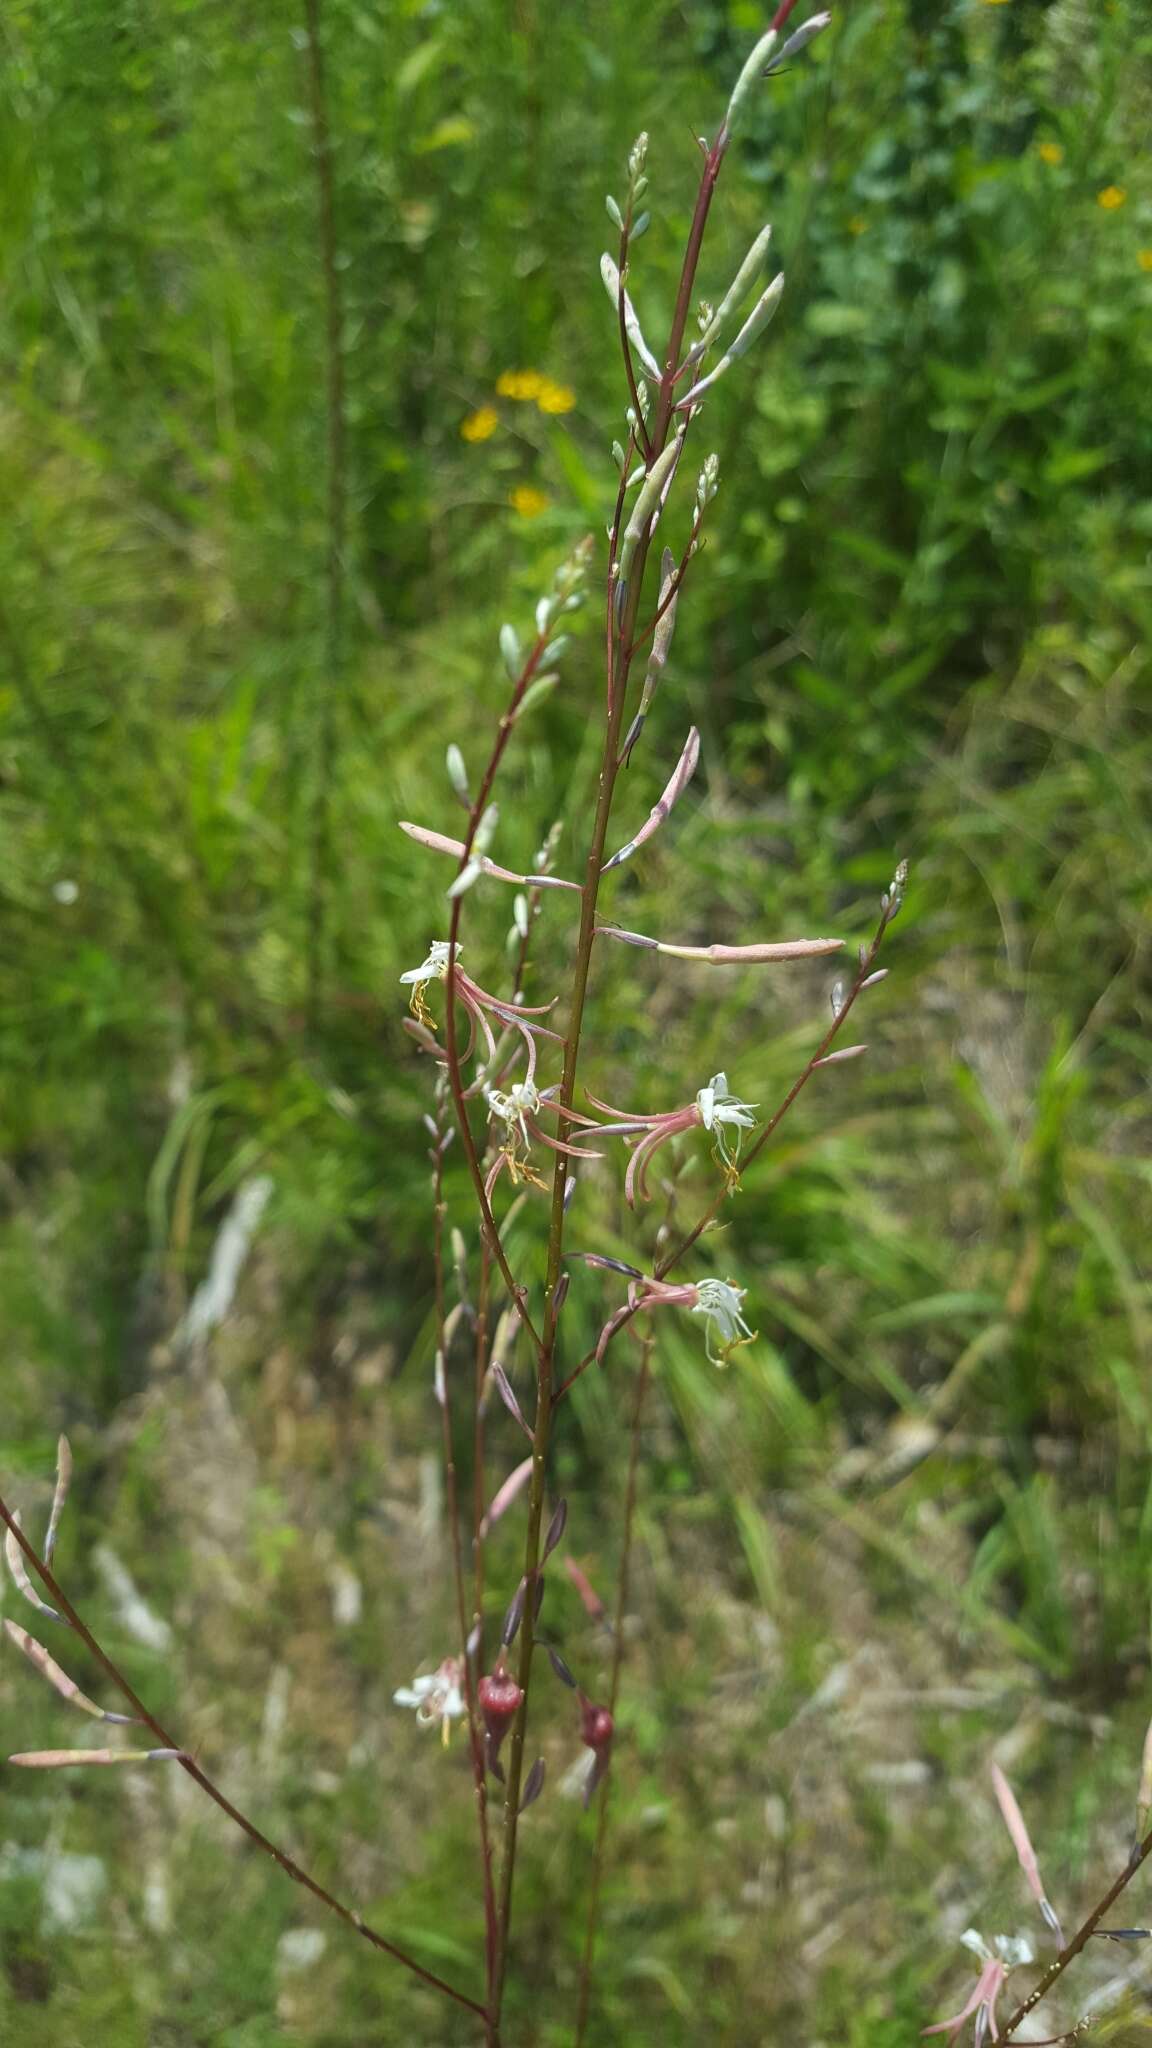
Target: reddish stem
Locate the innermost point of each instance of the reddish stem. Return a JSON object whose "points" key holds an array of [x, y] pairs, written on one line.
{"points": [[199, 1777]]}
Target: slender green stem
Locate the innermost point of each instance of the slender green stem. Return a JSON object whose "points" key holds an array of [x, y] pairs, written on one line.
{"points": [[468, 1669], [199, 1777], [336, 508], [622, 1584]]}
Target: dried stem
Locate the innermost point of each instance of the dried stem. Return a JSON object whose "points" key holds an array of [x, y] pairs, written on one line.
{"points": [[587, 1962], [200, 1777]]}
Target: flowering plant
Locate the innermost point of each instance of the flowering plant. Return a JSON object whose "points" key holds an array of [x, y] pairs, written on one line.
{"points": [[506, 1084]]}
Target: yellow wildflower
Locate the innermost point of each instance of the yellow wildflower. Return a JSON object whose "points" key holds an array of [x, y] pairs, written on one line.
{"points": [[1050, 153], [857, 225], [1111, 197], [995, 3], [480, 426], [553, 397], [528, 501], [1144, 259], [519, 383]]}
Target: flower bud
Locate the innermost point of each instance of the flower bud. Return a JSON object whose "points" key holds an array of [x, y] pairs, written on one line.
{"points": [[500, 1699]]}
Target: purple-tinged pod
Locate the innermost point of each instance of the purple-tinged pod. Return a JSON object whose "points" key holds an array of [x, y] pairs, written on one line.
{"points": [[533, 1785], [678, 782], [504, 1387], [556, 1527]]}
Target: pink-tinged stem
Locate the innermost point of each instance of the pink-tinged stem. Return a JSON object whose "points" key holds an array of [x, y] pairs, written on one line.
{"points": [[622, 1584], [475, 1732], [200, 1777], [619, 636]]}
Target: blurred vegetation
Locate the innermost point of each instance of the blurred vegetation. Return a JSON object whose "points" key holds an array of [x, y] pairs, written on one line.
{"points": [[913, 1519]]}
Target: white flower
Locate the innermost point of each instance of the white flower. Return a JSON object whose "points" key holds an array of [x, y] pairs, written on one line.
{"points": [[720, 1304], [521, 1101], [718, 1108], [434, 968], [436, 1696], [1013, 1950]]}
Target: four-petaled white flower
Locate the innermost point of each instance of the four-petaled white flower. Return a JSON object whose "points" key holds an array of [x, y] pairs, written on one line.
{"points": [[436, 1696], [1007, 1952], [521, 1101], [434, 968], [720, 1304], [718, 1108]]}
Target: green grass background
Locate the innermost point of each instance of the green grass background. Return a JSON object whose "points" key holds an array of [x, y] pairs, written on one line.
{"points": [[909, 1528]]}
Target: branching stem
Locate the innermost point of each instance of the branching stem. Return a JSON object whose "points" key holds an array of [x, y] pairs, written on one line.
{"points": [[200, 1777]]}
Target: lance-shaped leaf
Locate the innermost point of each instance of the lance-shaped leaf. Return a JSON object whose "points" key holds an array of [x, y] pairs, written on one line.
{"points": [[60, 1495], [612, 286], [506, 1494], [647, 503], [441, 843], [19, 1571], [737, 291], [727, 956], [64, 1759], [755, 324], [1022, 1843], [678, 782], [65, 1686]]}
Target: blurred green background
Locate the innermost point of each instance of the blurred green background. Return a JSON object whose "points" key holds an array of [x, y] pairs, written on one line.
{"points": [[909, 1527]]}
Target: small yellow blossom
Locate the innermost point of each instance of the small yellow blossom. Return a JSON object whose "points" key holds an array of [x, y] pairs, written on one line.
{"points": [[520, 383], [1111, 197], [480, 426], [528, 501], [553, 397], [995, 3], [1144, 258], [857, 225], [1050, 153]]}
